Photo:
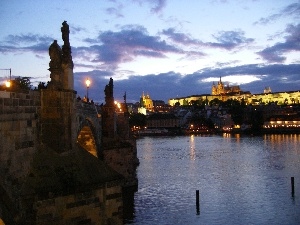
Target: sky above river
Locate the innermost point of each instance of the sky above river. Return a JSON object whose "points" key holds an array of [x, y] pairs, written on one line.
{"points": [[164, 48]]}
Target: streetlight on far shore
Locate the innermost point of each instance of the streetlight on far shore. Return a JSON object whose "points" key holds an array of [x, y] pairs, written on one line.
{"points": [[87, 82]]}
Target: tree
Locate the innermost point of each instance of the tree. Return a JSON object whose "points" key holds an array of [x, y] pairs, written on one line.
{"points": [[21, 84], [42, 86], [215, 101], [256, 120], [137, 119]]}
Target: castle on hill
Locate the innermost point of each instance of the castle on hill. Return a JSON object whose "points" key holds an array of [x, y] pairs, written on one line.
{"points": [[220, 89], [226, 92]]}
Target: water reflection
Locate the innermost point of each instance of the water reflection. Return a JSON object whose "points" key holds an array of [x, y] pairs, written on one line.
{"points": [[242, 180], [192, 148]]}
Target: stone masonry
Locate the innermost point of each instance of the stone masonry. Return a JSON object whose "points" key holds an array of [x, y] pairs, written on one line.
{"points": [[47, 174]]}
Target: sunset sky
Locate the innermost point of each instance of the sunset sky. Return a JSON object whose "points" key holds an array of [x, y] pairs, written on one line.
{"points": [[166, 48]]}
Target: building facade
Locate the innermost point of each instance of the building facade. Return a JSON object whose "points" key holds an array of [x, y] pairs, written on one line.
{"points": [[220, 88], [146, 102], [160, 120], [280, 98]]}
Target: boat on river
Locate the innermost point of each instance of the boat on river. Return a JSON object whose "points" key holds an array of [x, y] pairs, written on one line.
{"points": [[153, 132]]}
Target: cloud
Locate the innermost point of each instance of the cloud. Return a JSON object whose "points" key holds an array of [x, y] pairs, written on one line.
{"points": [[124, 46], [291, 43], [230, 39], [225, 39], [252, 77], [114, 11], [76, 29], [290, 10], [25, 43], [25, 39], [157, 5], [180, 38]]}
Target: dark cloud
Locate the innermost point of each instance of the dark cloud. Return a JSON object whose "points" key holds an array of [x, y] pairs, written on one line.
{"points": [[171, 85], [225, 39], [290, 10], [123, 46], [292, 43], [25, 43], [110, 49], [20, 40], [230, 40], [180, 38]]}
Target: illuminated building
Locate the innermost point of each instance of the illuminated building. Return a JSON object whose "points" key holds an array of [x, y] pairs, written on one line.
{"points": [[220, 88], [278, 98], [283, 123], [146, 104]]}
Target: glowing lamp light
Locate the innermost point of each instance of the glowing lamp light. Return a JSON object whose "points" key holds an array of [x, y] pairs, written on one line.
{"points": [[7, 84], [87, 82]]}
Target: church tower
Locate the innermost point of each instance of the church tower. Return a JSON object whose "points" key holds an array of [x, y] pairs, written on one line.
{"points": [[146, 102], [214, 89], [220, 87]]}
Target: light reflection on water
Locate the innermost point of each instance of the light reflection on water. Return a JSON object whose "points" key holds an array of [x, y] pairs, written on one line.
{"points": [[242, 180]]}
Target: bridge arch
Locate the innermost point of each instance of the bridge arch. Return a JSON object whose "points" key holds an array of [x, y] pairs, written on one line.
{"points": [[88, 136]]}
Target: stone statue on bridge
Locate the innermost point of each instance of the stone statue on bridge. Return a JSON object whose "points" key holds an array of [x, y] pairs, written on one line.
{"points": [[55, 68], [55, 56], [109, 92], [65, 31], [61, 63], [66, 48]]}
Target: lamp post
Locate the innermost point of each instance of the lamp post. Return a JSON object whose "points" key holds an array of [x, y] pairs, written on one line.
{"points": [[87, 82]]}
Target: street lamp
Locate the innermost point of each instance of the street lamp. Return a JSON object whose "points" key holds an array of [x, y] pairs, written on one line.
{"points": [[87, 82], [8, 82]]}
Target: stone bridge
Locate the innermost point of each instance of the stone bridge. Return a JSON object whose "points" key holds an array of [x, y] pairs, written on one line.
{"points": [[62, 160], [30, 121]]}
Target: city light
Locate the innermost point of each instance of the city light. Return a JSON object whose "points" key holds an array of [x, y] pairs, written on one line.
{"points": [[87, 82], [118, 106], [7, 83]]}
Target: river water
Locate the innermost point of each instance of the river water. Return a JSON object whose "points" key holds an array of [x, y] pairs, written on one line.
{"points": [[241, 180]]}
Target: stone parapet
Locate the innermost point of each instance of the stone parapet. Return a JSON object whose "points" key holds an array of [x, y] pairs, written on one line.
{"points": [[11, 102], [68, 190]]}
